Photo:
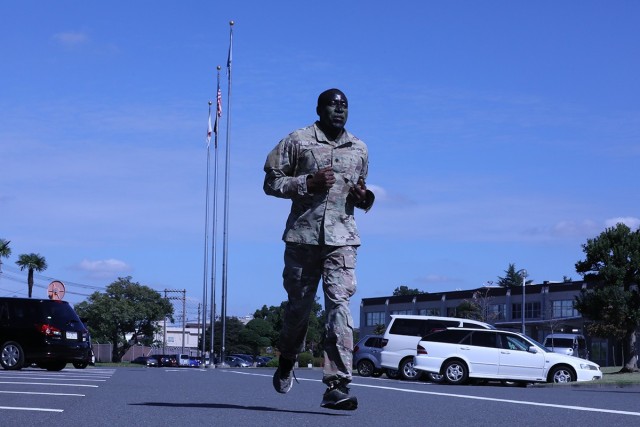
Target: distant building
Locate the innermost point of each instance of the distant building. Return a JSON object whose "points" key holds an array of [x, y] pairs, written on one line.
{"points": [[547, 306]]}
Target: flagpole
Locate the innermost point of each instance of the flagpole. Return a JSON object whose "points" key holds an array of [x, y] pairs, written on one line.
{"points": [[206, 231], [225, 244], [215, 221]]}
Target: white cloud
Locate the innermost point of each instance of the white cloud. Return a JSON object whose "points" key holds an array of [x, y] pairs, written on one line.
{"points": [[380, 193], [104, 268], [71, 38], [629, 221], [575, 228]]}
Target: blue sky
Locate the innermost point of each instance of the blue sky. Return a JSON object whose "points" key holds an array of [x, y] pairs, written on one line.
{"points": [[499, 132]]}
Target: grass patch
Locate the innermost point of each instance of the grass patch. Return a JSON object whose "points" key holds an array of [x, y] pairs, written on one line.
{"points": [[612, 375]]}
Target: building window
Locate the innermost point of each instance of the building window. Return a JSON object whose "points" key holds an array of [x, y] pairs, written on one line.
{"points": [[564, 308], [516, 311], [451, 311], [531, 310], [401, 311], [375, 318], [429, 312], [496, 312]]}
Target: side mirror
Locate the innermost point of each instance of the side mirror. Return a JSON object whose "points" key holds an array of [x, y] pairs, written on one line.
{"points": [[533, 349]]}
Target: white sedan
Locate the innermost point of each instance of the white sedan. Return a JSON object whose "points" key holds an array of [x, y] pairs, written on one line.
{"points": [[460, 354]]}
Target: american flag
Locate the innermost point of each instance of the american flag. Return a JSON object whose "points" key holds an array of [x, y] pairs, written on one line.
{"points": [[218, 109]]}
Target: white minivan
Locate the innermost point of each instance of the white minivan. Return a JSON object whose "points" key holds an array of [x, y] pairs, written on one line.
{"points": [[403, 333], [182, 359], [571, 344]]}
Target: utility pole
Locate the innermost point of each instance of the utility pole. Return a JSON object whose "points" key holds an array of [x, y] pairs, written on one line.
{"points": [[184, 309]]}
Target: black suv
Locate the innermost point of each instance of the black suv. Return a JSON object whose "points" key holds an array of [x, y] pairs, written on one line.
{"points": [[45, 332]]}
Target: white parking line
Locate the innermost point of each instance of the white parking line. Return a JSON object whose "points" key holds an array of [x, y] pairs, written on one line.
{"points": [[56, 384], [17, 408], [517, 402], [43, 393], [463, 396], [50, 378]]}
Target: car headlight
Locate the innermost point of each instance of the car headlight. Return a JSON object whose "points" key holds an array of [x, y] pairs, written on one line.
{"points": [[588, 367]]}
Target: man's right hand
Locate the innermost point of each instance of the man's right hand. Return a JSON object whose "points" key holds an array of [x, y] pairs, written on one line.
{"points": [[322, 180]]}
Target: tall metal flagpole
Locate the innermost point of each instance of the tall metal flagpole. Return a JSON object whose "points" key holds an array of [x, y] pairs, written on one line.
{"points": [[206, 231], [225, 239], [215, 221]]}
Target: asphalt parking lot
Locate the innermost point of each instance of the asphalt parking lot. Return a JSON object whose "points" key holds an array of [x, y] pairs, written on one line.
{"points": [[244, 397]]}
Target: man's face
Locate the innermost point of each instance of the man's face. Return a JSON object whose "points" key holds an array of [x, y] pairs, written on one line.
{"points": [[333, 111]]}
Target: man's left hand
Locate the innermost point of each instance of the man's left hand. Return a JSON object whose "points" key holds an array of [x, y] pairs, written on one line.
{"points": [[358, 191]]}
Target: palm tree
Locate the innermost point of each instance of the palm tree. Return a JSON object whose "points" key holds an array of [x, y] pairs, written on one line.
{"points": [[5, 251], [32, 262]]}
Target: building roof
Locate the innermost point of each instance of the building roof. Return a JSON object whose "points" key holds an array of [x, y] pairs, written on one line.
{"points": [[492, 291]]}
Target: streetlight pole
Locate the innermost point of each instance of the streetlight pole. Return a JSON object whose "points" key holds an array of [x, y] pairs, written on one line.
{"points": [[524, 278]]}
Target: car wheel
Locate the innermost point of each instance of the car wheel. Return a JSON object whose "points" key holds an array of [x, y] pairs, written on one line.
{"points": [[407, 370], [80, 365], [11, 356], [455, 372], [435, 378], [561, 374], [394, 374], [365, 368]]}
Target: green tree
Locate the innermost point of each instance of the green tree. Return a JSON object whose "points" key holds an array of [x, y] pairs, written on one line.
{"points": [[379, 329], [468, 309], [32, 262], [257, 334], [232, 341], [5, 251], [275, 315], [126, 309], [477, 308], [612, 266], [513, 278], [404, 290]]}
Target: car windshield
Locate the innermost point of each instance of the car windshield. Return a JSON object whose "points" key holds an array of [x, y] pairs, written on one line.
{"points": [[560, 342]]}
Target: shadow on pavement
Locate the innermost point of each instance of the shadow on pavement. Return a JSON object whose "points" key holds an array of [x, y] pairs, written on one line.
{"points": [[227, 406]]}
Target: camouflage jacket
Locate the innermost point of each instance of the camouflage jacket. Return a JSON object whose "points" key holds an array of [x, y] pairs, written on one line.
{"points": [[321, 218]]}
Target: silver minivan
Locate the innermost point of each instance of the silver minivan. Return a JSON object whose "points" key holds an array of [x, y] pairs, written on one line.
{"points": [[571, 344], [403, 333]]}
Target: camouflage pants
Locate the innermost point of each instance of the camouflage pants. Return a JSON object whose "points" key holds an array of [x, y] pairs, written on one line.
{"points": [[305, 265]]}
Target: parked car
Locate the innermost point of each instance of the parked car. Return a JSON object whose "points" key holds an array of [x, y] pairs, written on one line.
{"points": [[45, 332], [194, 362], [182, 359], [236, 362], [145, 360], [246, 357], [403, 334], [261, 361], [165, 360], [463, 353], [92, 358], [366, 356], [571, 344]]}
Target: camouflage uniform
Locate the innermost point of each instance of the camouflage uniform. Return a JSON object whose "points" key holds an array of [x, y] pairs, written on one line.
{"points": [[321, 239]]}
